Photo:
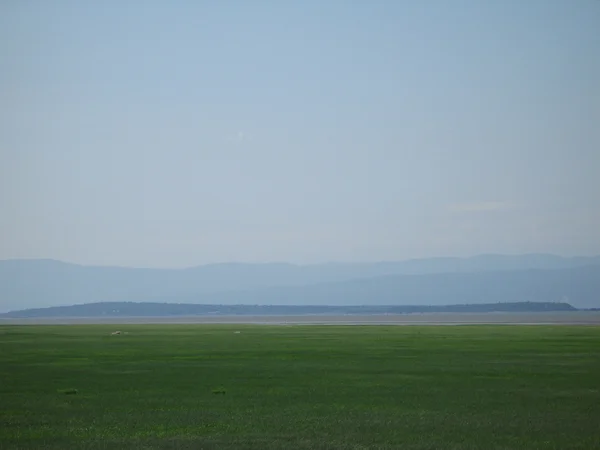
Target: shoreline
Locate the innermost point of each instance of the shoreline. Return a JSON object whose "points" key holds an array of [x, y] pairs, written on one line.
{"points": [[535, 318]]}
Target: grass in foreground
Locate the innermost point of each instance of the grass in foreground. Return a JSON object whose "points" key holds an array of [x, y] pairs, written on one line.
{"points": [[301, 387]]}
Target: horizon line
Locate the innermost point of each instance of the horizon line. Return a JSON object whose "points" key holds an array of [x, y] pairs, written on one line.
{"points": [[288, 263]]}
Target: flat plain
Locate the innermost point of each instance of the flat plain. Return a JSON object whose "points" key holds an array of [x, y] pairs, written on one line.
{"points": [[241, 386]]}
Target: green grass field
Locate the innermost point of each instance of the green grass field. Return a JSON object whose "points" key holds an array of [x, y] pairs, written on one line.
{"points": [[301, 387]]}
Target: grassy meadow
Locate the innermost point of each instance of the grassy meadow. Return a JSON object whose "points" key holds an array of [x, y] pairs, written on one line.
{"points": [[299, 387]]}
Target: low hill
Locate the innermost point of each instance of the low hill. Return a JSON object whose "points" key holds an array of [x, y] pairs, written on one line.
{"points": [[130, 309], [42, 283]]}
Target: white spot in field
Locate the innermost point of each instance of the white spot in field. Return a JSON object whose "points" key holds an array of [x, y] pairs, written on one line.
{"points": [[236, 332]]}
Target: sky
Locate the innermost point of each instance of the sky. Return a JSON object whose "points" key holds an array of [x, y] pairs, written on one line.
{"points": [[171, 134]]}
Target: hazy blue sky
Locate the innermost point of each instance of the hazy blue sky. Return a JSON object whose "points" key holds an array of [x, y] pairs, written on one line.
{"points": [[188, 132]]}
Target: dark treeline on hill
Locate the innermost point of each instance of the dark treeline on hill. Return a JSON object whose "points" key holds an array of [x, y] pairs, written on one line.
{"points": [[130, 309], [26, 284]]}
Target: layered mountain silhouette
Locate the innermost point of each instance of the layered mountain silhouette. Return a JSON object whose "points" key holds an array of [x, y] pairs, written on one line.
{"points": [[132, 309], [438, 281]]}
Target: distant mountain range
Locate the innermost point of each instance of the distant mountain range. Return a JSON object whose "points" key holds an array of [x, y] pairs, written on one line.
{"points": [[130, 309], [438, 281]]}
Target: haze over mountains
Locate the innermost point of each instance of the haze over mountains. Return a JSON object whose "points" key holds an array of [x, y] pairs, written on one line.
{"points": [[437, 281], [132, 309]]}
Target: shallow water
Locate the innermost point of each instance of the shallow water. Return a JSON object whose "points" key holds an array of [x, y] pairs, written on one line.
{"points": [[545, 318]]}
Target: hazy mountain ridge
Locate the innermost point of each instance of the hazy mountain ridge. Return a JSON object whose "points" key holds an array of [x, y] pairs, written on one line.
{"points": [[485, 278], [579, 286], [131, 309]]}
